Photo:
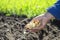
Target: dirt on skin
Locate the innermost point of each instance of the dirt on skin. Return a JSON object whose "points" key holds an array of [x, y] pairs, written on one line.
{"points": [[11, 28]]}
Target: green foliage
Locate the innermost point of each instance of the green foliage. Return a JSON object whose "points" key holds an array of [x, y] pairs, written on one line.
{"points": [[30, 8]]}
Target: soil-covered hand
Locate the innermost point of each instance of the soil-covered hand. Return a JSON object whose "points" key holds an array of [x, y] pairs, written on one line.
{"points": [[43, 21]]}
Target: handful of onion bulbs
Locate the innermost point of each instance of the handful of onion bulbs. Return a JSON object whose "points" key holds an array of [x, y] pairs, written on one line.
{"points": [[32, 24]]}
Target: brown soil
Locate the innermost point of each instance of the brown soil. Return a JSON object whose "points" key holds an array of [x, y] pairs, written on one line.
{"points": [[11, 28]]}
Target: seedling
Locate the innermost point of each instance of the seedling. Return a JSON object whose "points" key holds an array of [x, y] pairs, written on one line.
{"points": [[30, 8]]}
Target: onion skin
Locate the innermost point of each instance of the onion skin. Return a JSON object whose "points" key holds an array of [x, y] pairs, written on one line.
{"points": [[32, 24]]}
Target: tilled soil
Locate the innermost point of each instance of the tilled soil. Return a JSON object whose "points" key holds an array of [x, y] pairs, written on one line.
{"points": [[12, 28]]}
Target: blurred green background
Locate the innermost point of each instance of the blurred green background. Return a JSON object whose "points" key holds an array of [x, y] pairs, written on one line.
{"points": [[30, 8]]}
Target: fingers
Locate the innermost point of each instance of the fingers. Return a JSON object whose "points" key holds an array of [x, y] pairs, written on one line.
{"points": [[36, 29], [40, 27]]}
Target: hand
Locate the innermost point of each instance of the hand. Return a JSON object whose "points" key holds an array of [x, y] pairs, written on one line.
{"points": [[43, 19]]}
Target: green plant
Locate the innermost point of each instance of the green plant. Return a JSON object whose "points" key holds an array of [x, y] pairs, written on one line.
{"points": [[30, 8]]}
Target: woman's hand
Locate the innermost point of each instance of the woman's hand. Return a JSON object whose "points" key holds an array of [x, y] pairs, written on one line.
{"points": [[43, 20]]}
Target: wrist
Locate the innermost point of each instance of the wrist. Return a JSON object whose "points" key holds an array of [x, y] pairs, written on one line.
{"points": [[49, 16]]}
